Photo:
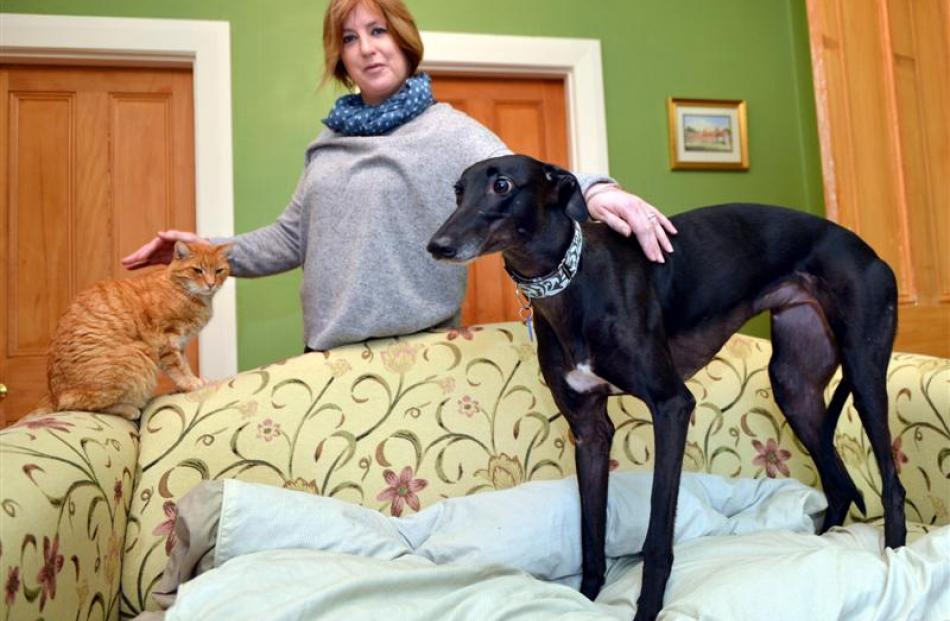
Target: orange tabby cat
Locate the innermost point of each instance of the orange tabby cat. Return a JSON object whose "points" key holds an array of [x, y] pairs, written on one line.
{"points": [[114, 336]]}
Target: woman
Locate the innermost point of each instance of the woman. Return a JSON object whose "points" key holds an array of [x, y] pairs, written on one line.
{"points": [[377, 183]]}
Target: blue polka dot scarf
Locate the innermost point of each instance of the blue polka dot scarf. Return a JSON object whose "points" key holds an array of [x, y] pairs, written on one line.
{"points": [[351, 117]]}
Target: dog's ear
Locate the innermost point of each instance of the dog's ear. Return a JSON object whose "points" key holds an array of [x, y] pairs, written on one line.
{"points": [[568, 192]]}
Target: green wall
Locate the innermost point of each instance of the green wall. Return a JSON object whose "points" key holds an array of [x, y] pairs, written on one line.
{"points": [[756, 50]]}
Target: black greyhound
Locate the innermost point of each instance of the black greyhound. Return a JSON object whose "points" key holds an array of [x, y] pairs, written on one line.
{"points": [[608, 321]]}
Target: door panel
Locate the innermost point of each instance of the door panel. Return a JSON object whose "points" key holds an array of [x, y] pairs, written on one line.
{"points": [[40, 280], [94, 161], [882, 88], [529, 115]]}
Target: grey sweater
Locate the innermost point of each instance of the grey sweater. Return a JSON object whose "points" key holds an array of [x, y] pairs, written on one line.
{"points": [[359, 221]]}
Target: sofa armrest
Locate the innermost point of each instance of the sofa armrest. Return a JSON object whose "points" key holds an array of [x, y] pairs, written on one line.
{"points": [[66, 485]]}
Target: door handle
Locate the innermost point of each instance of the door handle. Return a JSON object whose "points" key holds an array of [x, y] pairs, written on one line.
{"points": [[3, 392]]}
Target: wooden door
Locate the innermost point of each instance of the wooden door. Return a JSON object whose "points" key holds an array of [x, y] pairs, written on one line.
{"points": [[93, 161], [882, 87], [529, 115]]}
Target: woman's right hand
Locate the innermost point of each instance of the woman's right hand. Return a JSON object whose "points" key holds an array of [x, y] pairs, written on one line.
{"points": [[158, 251]]}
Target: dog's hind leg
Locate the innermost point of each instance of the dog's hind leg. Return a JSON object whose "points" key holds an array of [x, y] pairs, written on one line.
{"points": [[804, 357], [865, 354], [870, 400]]}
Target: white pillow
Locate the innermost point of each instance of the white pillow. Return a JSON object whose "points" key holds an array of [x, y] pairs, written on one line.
{"points": [[534, 527]]}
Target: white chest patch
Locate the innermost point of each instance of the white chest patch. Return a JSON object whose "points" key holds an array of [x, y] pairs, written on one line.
{"points": [[583, 379]]}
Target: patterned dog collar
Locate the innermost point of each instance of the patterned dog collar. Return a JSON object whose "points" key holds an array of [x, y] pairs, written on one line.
{"points": [[558, 280]]}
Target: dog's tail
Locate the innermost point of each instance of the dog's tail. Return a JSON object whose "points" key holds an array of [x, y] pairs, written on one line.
{"points": [[842, 391]]}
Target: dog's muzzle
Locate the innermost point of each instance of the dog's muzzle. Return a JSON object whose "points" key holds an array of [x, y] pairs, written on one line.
{"points": [[442, 248]]}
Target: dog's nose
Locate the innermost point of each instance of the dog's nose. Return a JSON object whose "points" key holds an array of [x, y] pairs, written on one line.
{"points": [[441, 248]]}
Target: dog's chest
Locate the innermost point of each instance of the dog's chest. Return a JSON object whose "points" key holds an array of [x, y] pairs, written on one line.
{"points": [[583, 379]]}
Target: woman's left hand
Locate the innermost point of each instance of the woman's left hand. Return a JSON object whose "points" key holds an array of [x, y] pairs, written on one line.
{"points": [[627, 213]]}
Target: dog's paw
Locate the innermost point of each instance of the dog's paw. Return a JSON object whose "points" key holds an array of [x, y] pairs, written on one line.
{"points": [[591, 585], [647, 609], [644, 616]]}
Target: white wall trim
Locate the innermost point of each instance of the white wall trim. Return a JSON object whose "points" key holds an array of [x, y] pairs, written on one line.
{"points": [[205, 46], [576, 60]]}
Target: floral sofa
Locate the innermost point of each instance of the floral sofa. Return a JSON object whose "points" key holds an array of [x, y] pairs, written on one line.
{"points": [[89, 500]]}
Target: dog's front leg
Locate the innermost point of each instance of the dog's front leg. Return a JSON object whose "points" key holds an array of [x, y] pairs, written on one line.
{"points": [[670, 424], [647, 371], [593, 431]]}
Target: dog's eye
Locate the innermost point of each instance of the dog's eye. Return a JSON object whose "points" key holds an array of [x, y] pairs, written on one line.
{"points": [[458, 195], [501, 186]]}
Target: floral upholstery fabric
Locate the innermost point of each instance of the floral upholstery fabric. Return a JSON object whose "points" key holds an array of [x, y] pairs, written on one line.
{"points": [[399, 424], [919, 419], [65, 488]]}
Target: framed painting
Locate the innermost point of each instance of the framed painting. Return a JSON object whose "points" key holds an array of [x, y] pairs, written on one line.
{"points": [[707, 134]]}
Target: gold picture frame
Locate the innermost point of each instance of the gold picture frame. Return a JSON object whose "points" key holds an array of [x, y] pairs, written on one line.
{"points": [[708, 134]]}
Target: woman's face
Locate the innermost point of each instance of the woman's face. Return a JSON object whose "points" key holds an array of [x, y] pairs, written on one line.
{"points": [[370, 55]]}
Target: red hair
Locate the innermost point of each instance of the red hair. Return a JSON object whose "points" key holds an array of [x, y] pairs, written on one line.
{"points": [[399, 23]]}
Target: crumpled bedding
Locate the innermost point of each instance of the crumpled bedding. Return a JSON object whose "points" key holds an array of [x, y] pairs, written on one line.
{"points": [[745, 549]]}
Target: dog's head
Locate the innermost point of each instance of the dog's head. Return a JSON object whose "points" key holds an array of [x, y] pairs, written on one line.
{"points": [[502, 202]]}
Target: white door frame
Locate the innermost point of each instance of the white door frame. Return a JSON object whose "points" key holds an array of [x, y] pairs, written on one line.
{"points": [[205, 47], [576, 60]]}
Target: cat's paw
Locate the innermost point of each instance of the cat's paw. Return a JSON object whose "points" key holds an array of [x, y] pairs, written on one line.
{"points": [[196, 383]]}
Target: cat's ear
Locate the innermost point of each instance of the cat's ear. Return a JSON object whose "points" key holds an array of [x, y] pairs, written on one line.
{"points": [[225, 249], [182, 251]]}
